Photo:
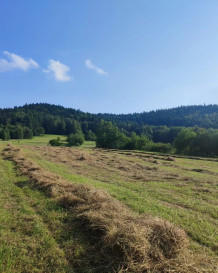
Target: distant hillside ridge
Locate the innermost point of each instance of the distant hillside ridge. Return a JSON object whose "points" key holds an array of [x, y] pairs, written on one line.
{"points": [[205, 116]]}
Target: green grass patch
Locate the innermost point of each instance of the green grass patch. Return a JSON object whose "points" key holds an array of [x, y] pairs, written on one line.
{"points": [[39, 140], [191, 205], [26, 244], [36, 234], [180, 205]]}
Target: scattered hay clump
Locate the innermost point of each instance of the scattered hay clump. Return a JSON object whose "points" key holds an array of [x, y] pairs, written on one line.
{"points": [[126, 243]]}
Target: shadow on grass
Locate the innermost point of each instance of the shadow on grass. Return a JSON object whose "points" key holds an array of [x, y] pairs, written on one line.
{"points": [[80, 245]]}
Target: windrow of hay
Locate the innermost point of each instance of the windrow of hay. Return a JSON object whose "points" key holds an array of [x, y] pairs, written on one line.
{"points": [[127, 243]]}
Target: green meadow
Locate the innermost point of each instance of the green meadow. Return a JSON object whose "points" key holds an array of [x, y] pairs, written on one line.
{"points": [[183, 191]]}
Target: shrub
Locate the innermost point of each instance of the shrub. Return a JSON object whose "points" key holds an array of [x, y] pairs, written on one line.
{"points": [[160, 147], [75, 139], [55, 142]]}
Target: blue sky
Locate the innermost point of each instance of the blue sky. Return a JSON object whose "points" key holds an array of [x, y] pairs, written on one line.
{"points": [[118, 56]]}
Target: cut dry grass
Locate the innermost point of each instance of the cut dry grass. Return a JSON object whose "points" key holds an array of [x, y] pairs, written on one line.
{"points": [[26, 241], [169, 190], [102, 165], [127, 243]]}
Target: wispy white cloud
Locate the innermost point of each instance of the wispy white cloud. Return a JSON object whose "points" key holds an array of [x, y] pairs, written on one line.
{"points": [[16, 62], [98, 70], [60, 71]]}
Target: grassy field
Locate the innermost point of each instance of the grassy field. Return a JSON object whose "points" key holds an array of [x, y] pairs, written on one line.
{"points": [[26, 240], [43, 141], [181, 190]]}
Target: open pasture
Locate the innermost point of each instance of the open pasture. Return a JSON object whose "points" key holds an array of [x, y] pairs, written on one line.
{"points": [[179, 189]]}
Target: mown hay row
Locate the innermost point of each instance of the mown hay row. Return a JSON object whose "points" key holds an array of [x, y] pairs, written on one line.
{"points": [[127, 243]]}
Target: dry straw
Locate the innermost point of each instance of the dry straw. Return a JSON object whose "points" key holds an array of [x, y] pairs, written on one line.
{"points": [[127, 243]]}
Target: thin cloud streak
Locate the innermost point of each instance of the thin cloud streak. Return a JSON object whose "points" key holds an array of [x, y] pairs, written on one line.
{"points": [[97, 69]]}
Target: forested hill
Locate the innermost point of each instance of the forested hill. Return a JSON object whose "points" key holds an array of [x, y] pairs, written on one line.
{"points": [[186, 116]]}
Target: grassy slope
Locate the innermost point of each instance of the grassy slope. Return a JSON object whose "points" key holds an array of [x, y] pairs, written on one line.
{"points": [[25, 241], [43, 140], [195, 211], [35, 234], [179, 205]]}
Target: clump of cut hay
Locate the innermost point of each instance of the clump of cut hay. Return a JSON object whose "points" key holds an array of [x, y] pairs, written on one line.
{"points": [[151, 168], [155, 161], [81, 157], [126, 243], [123, 168], [167, 238], [170, 158]]}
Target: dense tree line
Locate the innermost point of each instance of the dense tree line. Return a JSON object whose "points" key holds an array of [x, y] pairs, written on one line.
{"points": [[110, 136], [198, 142], [189, 141], [17, 132], [155, 130], [184, 116], [158, 125], [49, 119]]}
